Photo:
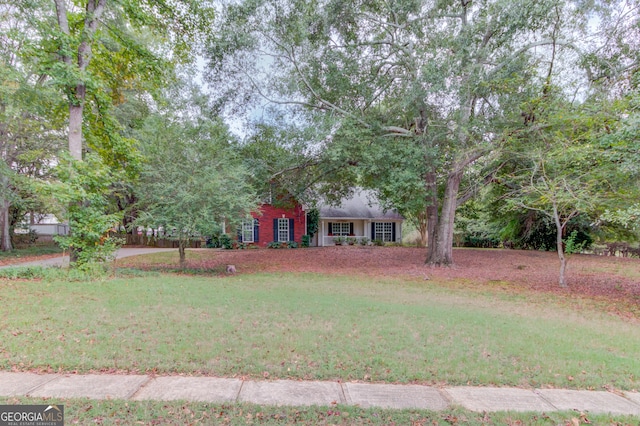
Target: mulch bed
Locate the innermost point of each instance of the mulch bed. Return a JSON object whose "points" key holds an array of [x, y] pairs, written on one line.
{"points": [[587, 275]]}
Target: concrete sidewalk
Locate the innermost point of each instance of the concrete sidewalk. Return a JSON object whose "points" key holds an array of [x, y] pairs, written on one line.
{"points": [[63, 261], [300, 393]]}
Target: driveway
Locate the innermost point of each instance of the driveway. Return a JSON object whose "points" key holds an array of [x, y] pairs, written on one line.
{"points": [[64, 260]]}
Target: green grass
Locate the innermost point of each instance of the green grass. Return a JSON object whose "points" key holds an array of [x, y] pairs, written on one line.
{"points": [[118, 412], [314, 327], [31, 250]]}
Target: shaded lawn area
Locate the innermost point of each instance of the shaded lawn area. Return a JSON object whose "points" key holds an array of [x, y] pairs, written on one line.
{"points": [[613, 280], [315, 326]]}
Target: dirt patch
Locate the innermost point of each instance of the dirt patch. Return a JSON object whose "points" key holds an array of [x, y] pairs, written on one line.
{"points": [[611, 277]]}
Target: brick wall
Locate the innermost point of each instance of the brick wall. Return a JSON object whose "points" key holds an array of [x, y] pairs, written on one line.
{"points": [[269, 213]]}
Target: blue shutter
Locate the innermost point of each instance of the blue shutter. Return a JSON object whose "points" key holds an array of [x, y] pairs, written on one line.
{"points": [[240, 233], [373, 231], [275, 229], [330, 228], [350, 228], [256, 230], [393, 232], [292, 235]]}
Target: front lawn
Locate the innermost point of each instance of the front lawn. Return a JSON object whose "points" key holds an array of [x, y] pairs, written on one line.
{"points": [[117, 412], [314, 326]]}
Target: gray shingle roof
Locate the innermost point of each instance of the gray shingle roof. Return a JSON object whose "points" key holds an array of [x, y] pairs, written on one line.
{"points": [[361, 205]]}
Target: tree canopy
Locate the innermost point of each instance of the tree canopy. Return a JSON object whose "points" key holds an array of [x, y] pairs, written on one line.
{"points": [[450, 76]]}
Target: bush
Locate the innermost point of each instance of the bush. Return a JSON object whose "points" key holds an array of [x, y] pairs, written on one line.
{"points": [[351, 241], [576, 243], [306, 241], [25, 239], [213, 242], [226, 242], [339, 240], [378, 243], [292, 244], [364, 241], [480, 241], [274, 245]]}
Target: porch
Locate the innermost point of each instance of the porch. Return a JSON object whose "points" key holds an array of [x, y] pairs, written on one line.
{"points": [[357, 231]]}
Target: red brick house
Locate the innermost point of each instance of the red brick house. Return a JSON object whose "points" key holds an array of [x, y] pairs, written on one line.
{"points": [[281, 224], [359, 217]]}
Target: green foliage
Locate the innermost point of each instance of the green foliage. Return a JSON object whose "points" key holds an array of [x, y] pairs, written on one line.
{"points": [[274, 245], [226, 242], [364, 241], [23, 272], [213, 241], [313, 219], [378, 72], [306, 241], [292, 244], [193, 178], [82, 194], [572, 245], [339, 240]]}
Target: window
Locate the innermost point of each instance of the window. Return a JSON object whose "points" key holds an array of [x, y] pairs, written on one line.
{"points": [[283, 229], [247, 235], [341, 228], [383, 231]]}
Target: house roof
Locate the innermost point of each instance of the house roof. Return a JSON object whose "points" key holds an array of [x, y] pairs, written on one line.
{"points": [[362, 204]]}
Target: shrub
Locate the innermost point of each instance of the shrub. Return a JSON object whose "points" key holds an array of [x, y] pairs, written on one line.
{"points": [[339, 240], [274, 245], [351, 241], [213, 242], [226, 242], [364, 241], [306, 241], [241, 246], [576, 244], [378, 243], [292, 244]]}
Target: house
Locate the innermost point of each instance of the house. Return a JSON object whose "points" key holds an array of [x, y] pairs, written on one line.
{"points": [[280, 223], [360, 217]]}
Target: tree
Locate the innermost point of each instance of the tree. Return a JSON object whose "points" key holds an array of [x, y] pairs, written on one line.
{"points": [[94, 47], [193, 179], [96, 52], [29, 117], [81, 193], [448, 75], [567, 165]]}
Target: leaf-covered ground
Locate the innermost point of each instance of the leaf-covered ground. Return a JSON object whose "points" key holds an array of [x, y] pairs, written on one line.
{"points": [[614, 279]]}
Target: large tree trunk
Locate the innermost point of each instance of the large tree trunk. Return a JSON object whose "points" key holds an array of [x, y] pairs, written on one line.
{"points": [[423, 225], [75, 129], [5, 223], [181, 250], [442, 252]]}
